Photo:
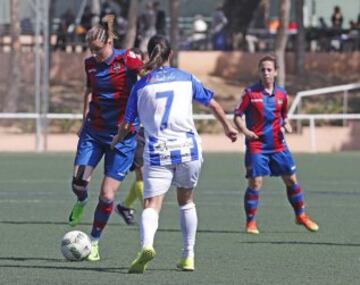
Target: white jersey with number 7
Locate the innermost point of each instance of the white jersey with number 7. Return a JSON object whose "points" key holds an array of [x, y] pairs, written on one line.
{"points": [[163, 100]]}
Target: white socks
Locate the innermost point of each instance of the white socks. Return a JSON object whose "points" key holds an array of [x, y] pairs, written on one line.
{"points": [[148, 227], [188, 224]]}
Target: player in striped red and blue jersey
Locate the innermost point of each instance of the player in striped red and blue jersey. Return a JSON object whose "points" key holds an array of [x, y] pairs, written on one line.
{"points": [[110, 76], [264, 105], [163, 100]]}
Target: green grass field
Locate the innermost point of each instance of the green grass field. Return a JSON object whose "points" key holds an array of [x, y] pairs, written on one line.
{"points": [[35, 200]]}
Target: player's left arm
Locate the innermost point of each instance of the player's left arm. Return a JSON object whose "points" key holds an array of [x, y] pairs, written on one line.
{"points": [[123, 131], [131, 114], [286, 122]]}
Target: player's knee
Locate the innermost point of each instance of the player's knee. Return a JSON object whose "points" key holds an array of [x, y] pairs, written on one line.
{"points": [[79, 181], [79, 184], [290, 181], [255, 183]]}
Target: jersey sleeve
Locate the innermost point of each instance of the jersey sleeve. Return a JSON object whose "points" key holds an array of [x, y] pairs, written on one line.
{"points": [[200, 93], [132, 62], [131, 112], [244, 103]]}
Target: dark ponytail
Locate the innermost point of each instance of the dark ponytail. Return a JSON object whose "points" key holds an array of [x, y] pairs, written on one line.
{"points": [[159, 50]]}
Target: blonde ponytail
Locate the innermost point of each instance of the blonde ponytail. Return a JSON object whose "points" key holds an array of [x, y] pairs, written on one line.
{"points": [[104, 31], [108, 20]]}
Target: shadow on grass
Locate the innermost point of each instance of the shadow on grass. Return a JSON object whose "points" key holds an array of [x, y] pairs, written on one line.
{"points": [[203, 231], [39, 223], [118, 270], [335, 193], [81, 267], [131, 228], [303, 243]]}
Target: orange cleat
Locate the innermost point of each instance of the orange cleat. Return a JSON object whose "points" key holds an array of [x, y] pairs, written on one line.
{"points": [[305, 220], [251, 228]]}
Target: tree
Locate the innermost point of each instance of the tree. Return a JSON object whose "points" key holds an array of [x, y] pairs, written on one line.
{"points": [[132, 21], [281, 38], [239, 14], [174, 31], [300, 38], [14, 75]]}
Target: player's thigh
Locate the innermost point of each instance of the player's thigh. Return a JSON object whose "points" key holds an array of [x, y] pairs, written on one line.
{"points": [[117, 163], [282, 164], [89, 152], [138, 157], [256, 164], [157, 180], [187, 174]]}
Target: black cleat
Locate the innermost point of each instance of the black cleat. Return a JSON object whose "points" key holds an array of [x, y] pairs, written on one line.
{"points": [[128, 214]]}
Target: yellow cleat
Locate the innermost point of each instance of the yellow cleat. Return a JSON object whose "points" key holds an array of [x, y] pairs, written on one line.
{"points": [[305, 220], [144, 257], [251, 228], [186, 264], [94, 254]]}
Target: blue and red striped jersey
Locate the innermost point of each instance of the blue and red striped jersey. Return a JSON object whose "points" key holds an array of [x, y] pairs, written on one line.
{"points": [[110, 83], [264, 115]]}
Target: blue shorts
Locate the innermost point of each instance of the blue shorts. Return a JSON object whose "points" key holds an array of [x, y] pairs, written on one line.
{"points": [[269, 164], [117, 162]]}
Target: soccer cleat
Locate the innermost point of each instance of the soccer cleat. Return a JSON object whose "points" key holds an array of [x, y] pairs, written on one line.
{"points": [[186, 264], [305, 220], [128, 214], [144, 257], [251, 228], [76, 214], [94, 254]]}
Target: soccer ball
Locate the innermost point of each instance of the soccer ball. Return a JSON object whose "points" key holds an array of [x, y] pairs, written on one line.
{"points": [[75, 245]]}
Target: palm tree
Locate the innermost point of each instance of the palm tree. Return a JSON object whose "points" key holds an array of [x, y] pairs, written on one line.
{"points": [[300, 38], [11, 104], [174, 31], [132, 21], [281, 38]]}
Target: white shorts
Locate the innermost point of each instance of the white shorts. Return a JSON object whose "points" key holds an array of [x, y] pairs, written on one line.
{"points": [[158, 179]]}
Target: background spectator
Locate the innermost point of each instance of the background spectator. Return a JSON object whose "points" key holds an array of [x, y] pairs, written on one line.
{"points": [[63, 34], [199, 36], [219, 22], [337, 18], [160, 19], [147, 26]]}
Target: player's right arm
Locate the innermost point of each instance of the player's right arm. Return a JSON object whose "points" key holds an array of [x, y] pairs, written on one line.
{"points": [[87, 99], [88, 64], [86, 102], [239, 117], [241, 126]]}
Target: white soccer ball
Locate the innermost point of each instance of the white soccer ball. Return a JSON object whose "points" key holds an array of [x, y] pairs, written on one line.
{"points": [[75, 245]]}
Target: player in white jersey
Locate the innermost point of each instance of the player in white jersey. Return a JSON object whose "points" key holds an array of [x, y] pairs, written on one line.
{"points": [[162, 99]]}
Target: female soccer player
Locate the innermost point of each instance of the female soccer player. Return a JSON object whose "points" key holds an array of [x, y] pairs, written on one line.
{"points": [[264, 105], [110, 76], [136, 191], [162, 100]]}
